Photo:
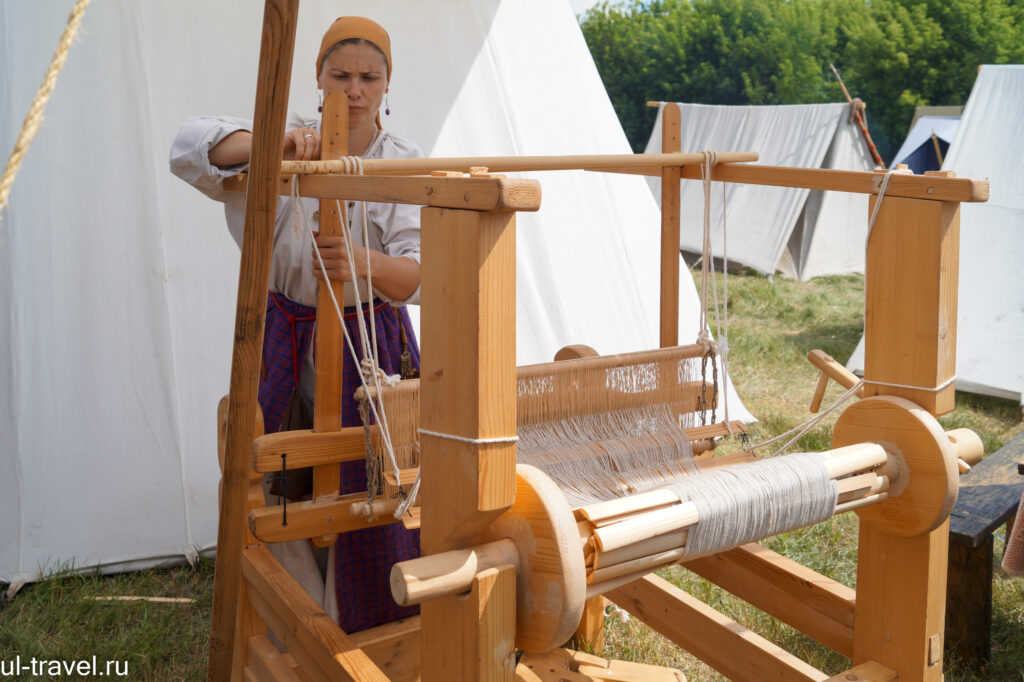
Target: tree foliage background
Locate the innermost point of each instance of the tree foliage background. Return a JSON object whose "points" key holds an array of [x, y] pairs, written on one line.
{"points": [[893, 54]]}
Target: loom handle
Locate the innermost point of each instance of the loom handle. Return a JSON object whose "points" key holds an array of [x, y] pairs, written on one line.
{"points": [[448, 573], [830, 369]]}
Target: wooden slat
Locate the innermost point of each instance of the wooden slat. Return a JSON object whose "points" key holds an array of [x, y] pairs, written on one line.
{"points": [[670, 237], [329, 343], [590, 633], [267, 664], [394, 647], [307, 448], [479, 194], [273, 76], [812, 603], [870, 671], [312, 518], [857, 182], [311, 636], [725, 645]]}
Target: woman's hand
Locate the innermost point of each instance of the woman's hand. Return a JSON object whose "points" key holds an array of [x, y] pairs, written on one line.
{"points": [[335, 256], [302, 144], [395, 277]]}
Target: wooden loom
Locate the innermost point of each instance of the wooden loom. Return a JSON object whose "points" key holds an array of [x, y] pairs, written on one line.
{"points": [[471, 493]]}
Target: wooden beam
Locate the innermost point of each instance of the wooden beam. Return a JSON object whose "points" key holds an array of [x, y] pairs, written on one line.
{"points": [[267, 663], [329, 344], [312, 518], [871, 671], [307, 448], [394, 647], [725, 645], [911, 301], [311, 636], [670, 237], [857, 182], [467, 390], [812, 603], [274, 72], [501, 195]]}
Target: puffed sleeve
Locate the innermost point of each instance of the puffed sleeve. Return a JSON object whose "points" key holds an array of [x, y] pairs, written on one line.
{"points": [[399, 223], [190, 152]]}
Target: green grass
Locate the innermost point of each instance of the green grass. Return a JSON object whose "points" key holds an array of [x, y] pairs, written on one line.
{"points": [[772, 327]]}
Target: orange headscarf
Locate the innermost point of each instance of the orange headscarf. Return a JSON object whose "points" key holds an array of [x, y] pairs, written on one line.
{"points": [[345, 28]]}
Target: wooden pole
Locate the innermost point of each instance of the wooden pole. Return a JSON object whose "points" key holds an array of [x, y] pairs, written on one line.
{"points": [[330, 340], [279, 19], [859, 116], [671, 139]]}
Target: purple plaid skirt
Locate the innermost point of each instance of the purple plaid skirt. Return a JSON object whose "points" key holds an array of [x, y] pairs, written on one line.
{"points": [[363, 558]]}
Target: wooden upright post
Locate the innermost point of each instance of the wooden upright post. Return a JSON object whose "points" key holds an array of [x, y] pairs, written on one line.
{"points": [[467, 391], [910, 339], [670, 239], [330, 341], [279, 20]]}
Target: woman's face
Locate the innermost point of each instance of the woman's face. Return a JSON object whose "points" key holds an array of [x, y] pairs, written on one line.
{"points": [[361, 72]]}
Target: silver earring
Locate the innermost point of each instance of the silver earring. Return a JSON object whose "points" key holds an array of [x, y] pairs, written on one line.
{"points": [[320, 104], [387, 106]]}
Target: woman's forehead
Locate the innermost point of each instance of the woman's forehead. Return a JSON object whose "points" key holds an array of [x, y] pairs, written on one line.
{"points": [[356, 57]]}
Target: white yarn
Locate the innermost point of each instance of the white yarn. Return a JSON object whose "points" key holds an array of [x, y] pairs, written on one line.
{"points": [[748, 502], [463, 439], [614, 611], [945, 383]]}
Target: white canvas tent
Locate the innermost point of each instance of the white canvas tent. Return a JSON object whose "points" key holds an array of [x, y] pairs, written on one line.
{"points": [[918, 149], [800, 232], [118, 281], [990, 299]]}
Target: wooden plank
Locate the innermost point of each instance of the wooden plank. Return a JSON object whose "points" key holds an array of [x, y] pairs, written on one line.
{"points": [[329, 343], [901, 596], [394, 647], [871, 671], [857, 182], [306, 448], [312, 518], [725, 645], [476, 194], [989, 495], [670, 237], [267, 663], [274, 72], [911, 301], [969, 602], [812, 603], [311, 636]]}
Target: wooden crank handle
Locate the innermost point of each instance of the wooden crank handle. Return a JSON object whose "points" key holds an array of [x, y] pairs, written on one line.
{"points": [[448, 573], [830, 369], [969, 448]]}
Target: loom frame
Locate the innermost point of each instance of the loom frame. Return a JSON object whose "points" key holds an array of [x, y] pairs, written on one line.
{"points": [[468, 637]]}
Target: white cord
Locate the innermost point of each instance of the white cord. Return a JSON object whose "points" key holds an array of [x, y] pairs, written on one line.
{"points": [[463, 439]]}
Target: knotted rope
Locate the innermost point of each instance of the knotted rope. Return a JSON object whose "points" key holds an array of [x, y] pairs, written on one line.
{"points": [[34, 118]]}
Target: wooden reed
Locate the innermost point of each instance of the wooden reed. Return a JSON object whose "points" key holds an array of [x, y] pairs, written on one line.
{"points": [[502, 164]]}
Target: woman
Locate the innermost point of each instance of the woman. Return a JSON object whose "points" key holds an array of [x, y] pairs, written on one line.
{"points": [[354, 58]]}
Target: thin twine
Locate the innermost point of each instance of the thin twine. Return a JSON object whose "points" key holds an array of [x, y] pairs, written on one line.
{"points": [[378, 415], [34, 117], [707, 263], [801, 429], [463, 439]]}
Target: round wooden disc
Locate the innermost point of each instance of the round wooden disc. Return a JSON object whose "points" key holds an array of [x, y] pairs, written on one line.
{"points": [[552, 583], [905, 427]]}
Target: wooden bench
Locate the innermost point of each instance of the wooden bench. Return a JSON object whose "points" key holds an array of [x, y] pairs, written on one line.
{"points": [[989, 496]]}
